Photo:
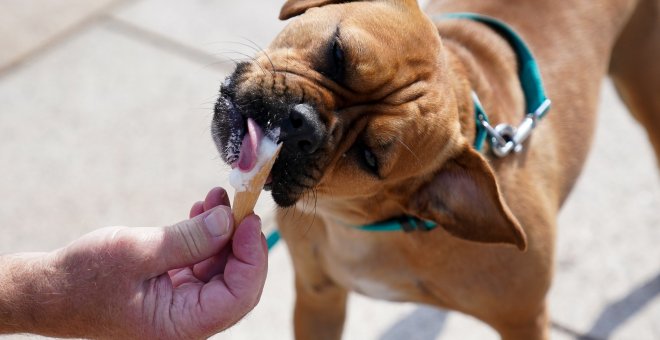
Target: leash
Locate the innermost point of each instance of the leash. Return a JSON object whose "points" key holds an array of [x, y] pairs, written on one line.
{"points": [[504, 138]]}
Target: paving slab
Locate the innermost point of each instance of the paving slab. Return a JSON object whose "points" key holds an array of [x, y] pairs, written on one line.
{"points": [[28, 25], [228, 30], [608, 260]]}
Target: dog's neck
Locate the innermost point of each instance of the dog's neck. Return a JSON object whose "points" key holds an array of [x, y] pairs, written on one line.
{"points": [[482, 61]]}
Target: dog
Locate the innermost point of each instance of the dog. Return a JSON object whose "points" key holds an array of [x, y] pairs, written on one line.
{"points": [[373, 102]]}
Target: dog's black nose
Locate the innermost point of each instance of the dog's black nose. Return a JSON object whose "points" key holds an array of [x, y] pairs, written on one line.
{"points": [[303, 131]]}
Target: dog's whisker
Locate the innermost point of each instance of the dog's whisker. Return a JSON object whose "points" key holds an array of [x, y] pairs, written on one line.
{"points": [[316, 198], [309, 226], [220, 64], [304, 200], [272, 72], [254, 47], [286, 64], [398, 140], [286, 212], [253, 59], [227, 60], [244, 44]]}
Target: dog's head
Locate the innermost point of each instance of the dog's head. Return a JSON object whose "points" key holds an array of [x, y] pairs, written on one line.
{"points": [[362, 97]]}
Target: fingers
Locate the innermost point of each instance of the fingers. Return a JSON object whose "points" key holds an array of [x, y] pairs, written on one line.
{"points": [[249, 245], [188, 242], [215, 197], [192, 241], [196, 209], [185, 275], [212, 266], [238, 289]]}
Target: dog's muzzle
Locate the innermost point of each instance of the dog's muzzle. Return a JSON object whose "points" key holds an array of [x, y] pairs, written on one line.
{"points": [[299, 126]]}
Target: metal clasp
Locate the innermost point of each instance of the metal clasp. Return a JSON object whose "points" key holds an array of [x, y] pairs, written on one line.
{"points": [[505, 138]]}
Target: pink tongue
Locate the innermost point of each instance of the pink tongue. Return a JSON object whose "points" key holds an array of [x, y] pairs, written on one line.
{"points": [[248, 157]]}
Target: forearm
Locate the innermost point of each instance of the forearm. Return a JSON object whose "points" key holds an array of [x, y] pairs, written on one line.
{"points": [[25, 292]]}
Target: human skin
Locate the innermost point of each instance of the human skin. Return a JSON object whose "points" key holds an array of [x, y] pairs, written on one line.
{"points": [[189, 280]]}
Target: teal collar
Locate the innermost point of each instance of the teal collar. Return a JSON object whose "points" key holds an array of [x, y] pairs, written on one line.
{"points": [[504, 138], [402, 223]]}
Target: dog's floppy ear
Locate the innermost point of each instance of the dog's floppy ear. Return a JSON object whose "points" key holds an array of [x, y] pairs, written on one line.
{"points": [[464, 199], [296, 7]]}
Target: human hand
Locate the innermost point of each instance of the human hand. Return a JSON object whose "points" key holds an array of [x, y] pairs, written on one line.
{"points": [[189, 280]]}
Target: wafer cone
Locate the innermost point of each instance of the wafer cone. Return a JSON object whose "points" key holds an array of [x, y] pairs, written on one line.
{"points": [[244, 201]]}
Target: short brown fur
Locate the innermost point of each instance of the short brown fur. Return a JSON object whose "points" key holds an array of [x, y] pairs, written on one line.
{"points": [[411, 90]]}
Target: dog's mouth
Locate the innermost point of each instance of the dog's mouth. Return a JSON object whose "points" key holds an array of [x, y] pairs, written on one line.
{"points": [[240, 123], [245, 137], [234, 129]]}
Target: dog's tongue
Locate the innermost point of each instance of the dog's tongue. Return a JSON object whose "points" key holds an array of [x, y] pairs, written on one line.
{"points": [[249, 149]]}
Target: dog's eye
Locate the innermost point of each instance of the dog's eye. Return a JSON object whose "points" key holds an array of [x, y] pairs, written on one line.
{"points": [[337, 53], [333, 62], [370, 160]]}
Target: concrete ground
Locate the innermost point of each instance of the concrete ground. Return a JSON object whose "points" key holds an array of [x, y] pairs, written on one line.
{"points": [[105, 108]]}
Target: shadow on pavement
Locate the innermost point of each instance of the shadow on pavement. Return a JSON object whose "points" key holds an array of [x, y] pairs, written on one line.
{"points": [[424, 323], [618, 312]]}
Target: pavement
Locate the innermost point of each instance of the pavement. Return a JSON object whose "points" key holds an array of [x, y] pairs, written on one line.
{"points": [[105, 108]]}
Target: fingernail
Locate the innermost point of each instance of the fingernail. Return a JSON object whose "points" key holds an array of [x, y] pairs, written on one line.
{"points": [[217, 222]]}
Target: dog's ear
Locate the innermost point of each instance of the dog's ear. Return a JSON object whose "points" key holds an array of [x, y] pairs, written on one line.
{"points": [[296, 7], [464, 199]]}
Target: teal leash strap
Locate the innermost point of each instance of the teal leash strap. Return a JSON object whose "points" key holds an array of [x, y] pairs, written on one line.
{"points": [[381, 226], [529, 74], [482, 133], [504, 138], [272, 239], [406, 223], [403, 223], [390, 225]]}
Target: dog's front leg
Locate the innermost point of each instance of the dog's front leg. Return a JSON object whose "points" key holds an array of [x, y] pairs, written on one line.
{"points": [[320, 302], [320, 310], [528, 326]]}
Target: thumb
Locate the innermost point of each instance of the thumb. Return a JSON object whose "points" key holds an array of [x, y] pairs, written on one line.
{"points": [[194, 240]]}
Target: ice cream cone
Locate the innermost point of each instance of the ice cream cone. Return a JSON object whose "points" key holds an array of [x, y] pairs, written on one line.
{"points": [[244, 201]]}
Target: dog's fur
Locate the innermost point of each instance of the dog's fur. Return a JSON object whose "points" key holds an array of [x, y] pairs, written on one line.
{"points": [[386, 81]]}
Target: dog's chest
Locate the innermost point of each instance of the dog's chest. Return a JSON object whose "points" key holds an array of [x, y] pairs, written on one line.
{"points": [[379, 285], [376, 289], [370, 269]]}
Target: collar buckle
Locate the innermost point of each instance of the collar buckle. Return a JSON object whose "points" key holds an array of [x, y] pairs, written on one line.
{"points": [[506, 138]]}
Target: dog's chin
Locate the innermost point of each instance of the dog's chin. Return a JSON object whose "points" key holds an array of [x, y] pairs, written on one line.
{"points": [[282, 197], [289, 183]]}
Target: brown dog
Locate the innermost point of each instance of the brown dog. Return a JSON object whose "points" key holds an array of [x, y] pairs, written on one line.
{"points": [[372, 100]]}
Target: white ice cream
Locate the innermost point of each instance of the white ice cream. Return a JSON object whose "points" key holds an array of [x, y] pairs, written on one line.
{"points": [[240, 180]]}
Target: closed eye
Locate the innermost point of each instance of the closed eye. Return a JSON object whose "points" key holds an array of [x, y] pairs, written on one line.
{"points": [[367, 159], [333, 62], [370, 160], [337, 52]]}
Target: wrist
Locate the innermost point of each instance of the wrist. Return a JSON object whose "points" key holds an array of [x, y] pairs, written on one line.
{"points": [[26, 292]]}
